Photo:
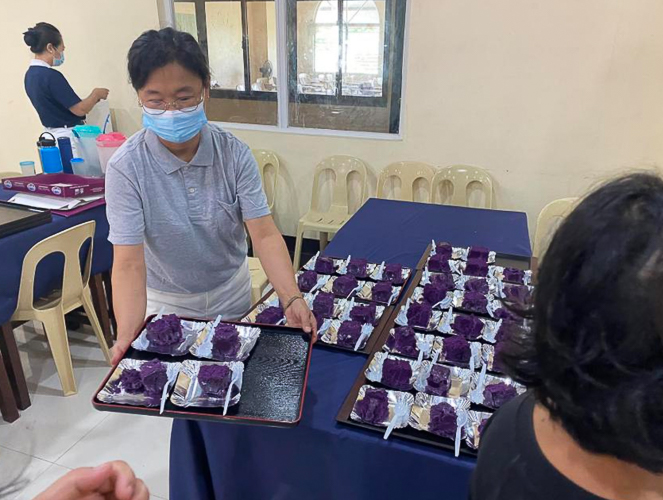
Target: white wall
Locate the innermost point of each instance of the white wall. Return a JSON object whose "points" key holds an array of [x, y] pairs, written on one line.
{"points": [[97, 36]]}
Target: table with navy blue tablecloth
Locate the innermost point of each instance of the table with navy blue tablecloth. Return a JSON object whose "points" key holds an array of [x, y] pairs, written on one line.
{"points": [[49, 273], [321, 459]]}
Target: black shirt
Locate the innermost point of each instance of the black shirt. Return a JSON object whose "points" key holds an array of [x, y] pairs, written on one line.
{"points": [[52, 96], [511, 466]]}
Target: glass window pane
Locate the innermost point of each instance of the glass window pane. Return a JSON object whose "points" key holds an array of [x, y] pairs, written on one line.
{"points": [[224, 42], [261, 19], [317, 47], [185, 18]]}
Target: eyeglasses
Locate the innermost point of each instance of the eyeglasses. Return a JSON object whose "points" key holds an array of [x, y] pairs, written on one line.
{"points": [[183, 104]]}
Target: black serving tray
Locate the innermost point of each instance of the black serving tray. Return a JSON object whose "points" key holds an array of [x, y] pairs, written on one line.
{"points": [[273, 385], [16, 218]]}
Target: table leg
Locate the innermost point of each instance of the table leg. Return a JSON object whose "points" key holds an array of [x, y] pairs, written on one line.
{"points": [[108, 285], [101, 306], [12, 360], [8, 407]]}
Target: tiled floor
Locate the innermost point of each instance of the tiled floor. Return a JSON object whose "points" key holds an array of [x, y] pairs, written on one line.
{"points": [[57, 434]]}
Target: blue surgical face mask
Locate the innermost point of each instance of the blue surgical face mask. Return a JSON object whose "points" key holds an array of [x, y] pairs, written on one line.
{"points": [[176, 126], [59, 61]]}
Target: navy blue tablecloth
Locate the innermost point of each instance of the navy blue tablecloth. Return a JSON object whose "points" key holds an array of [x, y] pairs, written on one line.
{"points": [[322, 459], [49, 275]]}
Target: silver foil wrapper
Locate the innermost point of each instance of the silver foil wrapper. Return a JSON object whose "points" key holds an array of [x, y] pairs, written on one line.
{"points": [[328, 333], [493, 284], [248, 336], [189, 393], [402, 320], [113, 393], [273, 301], [438, 355], [418, 296], [373, 271], [427, 277], [424, 345], [497, 272], [340, 305], [374, 370], [190, 330], [329, 287], [420, 414], [488, 357], [461, 380], [400, 406], [475, 419], [457, 253], [488, 332], [366, 293], [346, 306], [310, 265], [481, 380], [493, 304]]}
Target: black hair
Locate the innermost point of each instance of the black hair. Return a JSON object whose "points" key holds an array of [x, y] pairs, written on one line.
{"points": [[594, 355], [39, 36], [155, 49]]}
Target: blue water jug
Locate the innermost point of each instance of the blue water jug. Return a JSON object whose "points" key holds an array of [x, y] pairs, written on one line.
{"points": [[49, 154]]}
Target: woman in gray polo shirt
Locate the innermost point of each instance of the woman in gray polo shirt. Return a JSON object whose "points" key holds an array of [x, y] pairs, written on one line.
{"points": [[178, 195]]}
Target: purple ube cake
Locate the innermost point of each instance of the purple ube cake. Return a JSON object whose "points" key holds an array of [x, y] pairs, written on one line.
{"points": [[457, 350], [475, 302], [382, 292], [439, 263], [495, 395], [364, 314], [468, 326], [358, 268], [443, 420], [519, 294], [374, 407], [154, 376], [225, 342], [514, 275], [393, 273], [165, 334], [344, 285], [404, 341], [438, 382], [307, 280], [270, 316], [214, 380], [323, 304], [130, 381], [478, 253], [434, 293], [419, 314], [396, 374], [478, 285], [324, 265], [506, 330], [476, 268], [444, 249], [444, 280], [348, 334]]}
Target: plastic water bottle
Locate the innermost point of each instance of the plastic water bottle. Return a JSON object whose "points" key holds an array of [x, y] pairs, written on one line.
{"points": [[27, 167], [66, 154], [49, 154]]}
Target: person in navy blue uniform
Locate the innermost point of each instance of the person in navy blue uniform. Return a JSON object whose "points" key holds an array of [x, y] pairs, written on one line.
{"points": [[58, 106]]}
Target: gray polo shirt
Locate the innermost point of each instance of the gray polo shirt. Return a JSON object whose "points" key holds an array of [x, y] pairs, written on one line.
{"points": [[190, 215]]}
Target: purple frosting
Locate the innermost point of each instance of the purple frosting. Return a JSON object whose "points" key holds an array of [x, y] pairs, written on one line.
{"points": [[495, 395], [478, 253], [468, 326], [214, 380], [419, 314], [358, 268], [225, 342], [506, 330], [439, 263], [363, 314], [404, 341], [323, 304], [434, 293], [130, 381], [475, 302], [270, 316], [504, 314], [154, 377], [438, 382], [165, 333], [382, 292], [393, 273], [324, 265], [479, 285], [396, 373], [344, 285], [445, 250], [476, 268], [443, 421], [348, 334], [514, 275], [444, 280], [374, 407], [307, 280], [519, 294], [457, 350]]}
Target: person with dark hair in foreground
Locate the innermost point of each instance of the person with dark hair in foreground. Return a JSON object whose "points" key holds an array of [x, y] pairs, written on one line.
{"points": [[590, 426], [179, 193], [58, 106]]}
